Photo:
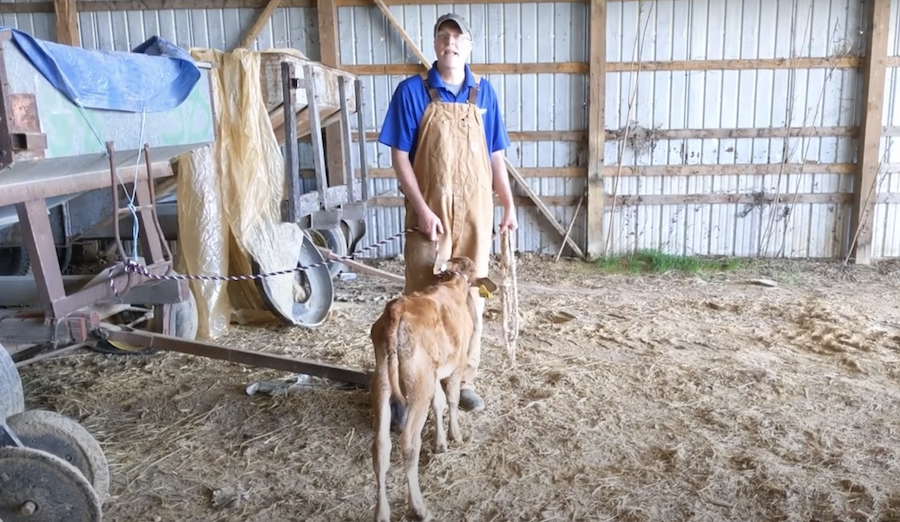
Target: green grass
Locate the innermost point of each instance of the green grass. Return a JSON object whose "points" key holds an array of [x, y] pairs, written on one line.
{"points": [[659, 262]]}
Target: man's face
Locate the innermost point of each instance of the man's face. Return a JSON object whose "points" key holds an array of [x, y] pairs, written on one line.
{"points": [[451, 47]]}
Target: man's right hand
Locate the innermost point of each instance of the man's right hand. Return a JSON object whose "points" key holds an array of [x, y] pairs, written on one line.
{"points": [[430, 224]]}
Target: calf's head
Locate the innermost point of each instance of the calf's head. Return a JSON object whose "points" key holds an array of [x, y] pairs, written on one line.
{"points": [[464, 267]]}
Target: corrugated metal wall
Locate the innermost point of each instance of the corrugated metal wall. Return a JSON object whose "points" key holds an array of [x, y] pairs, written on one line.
{"points": [[657, 108], [732, 99], [886, 238]]}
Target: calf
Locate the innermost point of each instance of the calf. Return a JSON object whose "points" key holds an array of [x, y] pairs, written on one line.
{"points": [[421, 342]]}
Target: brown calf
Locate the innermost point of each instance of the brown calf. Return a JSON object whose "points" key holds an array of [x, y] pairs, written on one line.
{"points": [[421, 344]]}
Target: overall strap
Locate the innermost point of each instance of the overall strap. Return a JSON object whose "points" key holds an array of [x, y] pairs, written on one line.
{"points": [[473, 91], [435, 97]]}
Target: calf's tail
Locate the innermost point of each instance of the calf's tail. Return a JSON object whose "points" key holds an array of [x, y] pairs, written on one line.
{"points": [[393, 331]]}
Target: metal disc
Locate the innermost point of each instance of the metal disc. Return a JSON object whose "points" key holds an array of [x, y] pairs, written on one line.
{"points": [[12, 398], [67, 439], [334, 240], [354, 230], [36, 486], [313, 289]]}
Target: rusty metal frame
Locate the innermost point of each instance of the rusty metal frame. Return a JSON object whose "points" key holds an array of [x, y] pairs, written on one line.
{"points": [[235, 355]]}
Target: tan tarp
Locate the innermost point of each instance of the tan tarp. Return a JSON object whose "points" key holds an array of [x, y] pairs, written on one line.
{"points": [[229, 199]]}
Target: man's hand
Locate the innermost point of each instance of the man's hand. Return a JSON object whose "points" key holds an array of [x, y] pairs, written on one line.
{"points": [[509, 223], [429, 223]]}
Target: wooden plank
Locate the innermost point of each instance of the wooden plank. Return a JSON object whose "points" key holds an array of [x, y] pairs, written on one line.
{"points": [[404, 69], [579, 135], [363, 3], [329, 54], [596, 129], [848, 131], [842, 62], [86, 6], [748, 169], [67, 22], [512, 170], [625, 201], [261, 22], [869, 143]]}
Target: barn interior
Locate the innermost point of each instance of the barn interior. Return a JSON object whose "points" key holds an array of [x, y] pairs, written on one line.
{"points": [[697, 316]]}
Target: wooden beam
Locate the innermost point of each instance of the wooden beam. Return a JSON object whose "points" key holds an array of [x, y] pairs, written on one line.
{"points": [[742, 169], [869, 141], [67, 22], [842, 62], [596, 128], [329, 54], [512, 170], [261, 22]]}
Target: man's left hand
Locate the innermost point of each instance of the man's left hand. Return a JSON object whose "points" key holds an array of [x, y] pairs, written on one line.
{"points": [[509, 223]]}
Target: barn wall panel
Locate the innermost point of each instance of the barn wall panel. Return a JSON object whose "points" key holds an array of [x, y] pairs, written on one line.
{"points": [[640, 102]]}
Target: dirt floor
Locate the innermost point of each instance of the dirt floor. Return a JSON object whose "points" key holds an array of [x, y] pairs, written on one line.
{"points": [[636, 398]]}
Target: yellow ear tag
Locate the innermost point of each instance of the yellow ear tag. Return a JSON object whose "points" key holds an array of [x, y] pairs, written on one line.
{"points": [[484, 292]]}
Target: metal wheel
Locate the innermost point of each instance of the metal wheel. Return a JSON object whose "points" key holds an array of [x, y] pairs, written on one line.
{"points": [[36, 486], [12, 398], [335, 240], [312, 290], [65, 438]]}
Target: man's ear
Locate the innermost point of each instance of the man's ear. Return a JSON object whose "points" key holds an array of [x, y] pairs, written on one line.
{"points": [[487, 283]]}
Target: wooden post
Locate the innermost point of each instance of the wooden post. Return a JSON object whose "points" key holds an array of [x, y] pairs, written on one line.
{"points": [[66, 22], [596, 128], [870, 130], [329, 54]]}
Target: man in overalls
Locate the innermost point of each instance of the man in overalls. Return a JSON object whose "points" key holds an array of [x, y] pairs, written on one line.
{"points": [[447, 141]]}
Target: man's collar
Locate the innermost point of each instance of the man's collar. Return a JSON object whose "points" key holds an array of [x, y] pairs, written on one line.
{"points": [[434, 77]]}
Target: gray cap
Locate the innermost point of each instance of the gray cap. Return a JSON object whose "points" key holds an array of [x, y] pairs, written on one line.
{"points": [[455, 18]]}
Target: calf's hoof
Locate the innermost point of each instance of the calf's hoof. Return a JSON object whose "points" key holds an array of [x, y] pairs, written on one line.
{"points": [[424, 515], [470, 401], [440, 447]]}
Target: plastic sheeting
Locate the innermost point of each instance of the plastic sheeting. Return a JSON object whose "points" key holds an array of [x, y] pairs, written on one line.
{"points": [[229, 199]]}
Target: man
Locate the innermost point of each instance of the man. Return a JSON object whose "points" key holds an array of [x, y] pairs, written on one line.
{"points": [[447, 141]]}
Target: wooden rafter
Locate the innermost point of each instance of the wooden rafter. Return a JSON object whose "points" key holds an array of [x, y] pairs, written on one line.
{"points": [[261, 22], [870, 130], [512, 170]]}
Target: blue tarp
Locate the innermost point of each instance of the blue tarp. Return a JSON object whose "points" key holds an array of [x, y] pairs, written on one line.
{"points": [[156, 76]]}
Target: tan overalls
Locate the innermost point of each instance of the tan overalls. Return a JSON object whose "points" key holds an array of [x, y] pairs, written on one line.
{"points": [[453, 170]]}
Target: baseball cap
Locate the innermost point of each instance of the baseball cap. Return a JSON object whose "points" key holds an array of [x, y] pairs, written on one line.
{"points": [[455, 18]]}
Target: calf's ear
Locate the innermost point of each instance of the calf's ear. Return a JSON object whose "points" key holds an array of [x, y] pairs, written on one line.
{"points": [[487, 283]]}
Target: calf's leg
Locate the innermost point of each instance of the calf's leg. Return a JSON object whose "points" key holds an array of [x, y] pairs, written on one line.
{"points": [[411, 445], [438, 405], [381, 445], [453, 390]]}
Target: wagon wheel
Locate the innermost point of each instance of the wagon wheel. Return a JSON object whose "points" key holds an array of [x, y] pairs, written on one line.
{"points": [[14, 261], [36, 486], [313, 292], [335, 240], [63, 437], [12, 398]]}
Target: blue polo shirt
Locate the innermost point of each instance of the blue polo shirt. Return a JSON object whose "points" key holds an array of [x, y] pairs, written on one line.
{"points": [[401, 123]]}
